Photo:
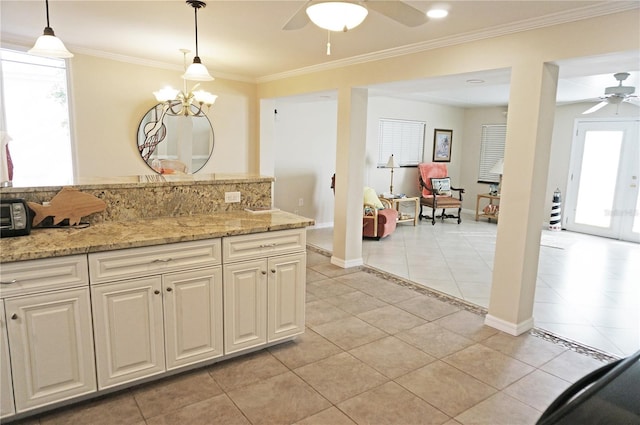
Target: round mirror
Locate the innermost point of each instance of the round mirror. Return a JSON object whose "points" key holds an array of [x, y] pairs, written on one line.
{"points": [[173, 144]]}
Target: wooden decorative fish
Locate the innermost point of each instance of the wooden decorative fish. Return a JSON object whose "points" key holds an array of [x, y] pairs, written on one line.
{"points": [[68, 203]]}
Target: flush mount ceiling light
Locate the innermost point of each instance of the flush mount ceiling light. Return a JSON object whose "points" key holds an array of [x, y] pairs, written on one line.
{"points": [[185, 102], [197, 71], [48, 44], [337, 15], [437, 13]]}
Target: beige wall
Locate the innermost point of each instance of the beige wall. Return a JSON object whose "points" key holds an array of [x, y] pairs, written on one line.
{"points": [[110, 97]]}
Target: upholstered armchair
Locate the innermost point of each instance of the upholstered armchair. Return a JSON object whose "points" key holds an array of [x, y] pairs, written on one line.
{"points": [[379, 218], [436, 192]]}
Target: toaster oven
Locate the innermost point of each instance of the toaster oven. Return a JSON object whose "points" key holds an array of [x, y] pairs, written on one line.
{"points": [[14, 218]]}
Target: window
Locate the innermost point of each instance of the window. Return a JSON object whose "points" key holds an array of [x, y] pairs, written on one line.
{"points": [[35, 116], [491, 150], [403, 139]]}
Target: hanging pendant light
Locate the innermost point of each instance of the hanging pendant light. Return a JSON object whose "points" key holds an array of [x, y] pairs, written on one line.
{"points": [[48, 44], [197, 71]]}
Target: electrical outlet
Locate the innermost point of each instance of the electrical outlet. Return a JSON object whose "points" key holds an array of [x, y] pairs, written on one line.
{"points": [[301, 202], [230, 197]]}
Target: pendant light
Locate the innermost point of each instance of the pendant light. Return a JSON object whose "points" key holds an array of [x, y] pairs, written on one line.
{"points": [[197, 71], [48, 44]]}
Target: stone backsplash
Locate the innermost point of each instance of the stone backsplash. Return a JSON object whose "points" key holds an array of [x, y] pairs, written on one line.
{"points": [[134, 198]]}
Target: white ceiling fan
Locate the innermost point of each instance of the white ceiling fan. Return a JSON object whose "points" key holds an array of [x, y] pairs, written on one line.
{"points": [[615, 95], [396, 10]]}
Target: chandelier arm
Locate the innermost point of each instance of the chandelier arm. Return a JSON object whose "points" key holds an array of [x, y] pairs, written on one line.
{"points": [[171, 104]]}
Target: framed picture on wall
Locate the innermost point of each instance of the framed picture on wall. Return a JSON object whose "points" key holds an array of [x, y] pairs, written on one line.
{"points": [[442, 140]]}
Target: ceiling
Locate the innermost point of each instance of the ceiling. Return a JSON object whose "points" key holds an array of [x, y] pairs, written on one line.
{"points": [[244, 40]]}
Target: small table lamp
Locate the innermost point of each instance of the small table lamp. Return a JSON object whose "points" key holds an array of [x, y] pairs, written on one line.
{"points": [[498, 168], [391, 164]]}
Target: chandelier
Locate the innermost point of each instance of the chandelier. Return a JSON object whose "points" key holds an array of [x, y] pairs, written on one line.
{"points": [[185, 102]]}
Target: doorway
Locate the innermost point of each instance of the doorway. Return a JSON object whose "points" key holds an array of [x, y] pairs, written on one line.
{"points": [[602, 194]]}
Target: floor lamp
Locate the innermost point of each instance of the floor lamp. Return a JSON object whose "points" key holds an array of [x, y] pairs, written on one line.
{"points": [[391, 164]]}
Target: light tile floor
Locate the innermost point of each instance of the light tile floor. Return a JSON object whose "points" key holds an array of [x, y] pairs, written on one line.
{"points": [[588, 288], [376, 350]]}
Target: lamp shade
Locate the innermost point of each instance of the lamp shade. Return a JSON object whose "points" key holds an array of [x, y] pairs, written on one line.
{"points": [[166, 94], [50, 46], [392, 162], [197, 71], [204, 97], [337, 15], [498, 167]]}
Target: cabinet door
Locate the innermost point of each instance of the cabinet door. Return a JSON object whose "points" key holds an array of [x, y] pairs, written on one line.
{"points": [[6, 387], [245, 305], [51, 347], [287, 276], [193, 316], [128, 330]]}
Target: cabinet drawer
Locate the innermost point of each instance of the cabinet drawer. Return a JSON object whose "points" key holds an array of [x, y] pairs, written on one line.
{"points": [[46, 274], [137, 262], [244, 247]]}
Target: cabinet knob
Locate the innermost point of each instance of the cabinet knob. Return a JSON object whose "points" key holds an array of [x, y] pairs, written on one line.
{"points": [[273, 270], [169, 289], [264, 272], [156, 292], [14, 316]]}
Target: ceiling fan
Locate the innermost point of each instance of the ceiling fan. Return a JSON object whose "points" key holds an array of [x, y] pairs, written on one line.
{"points": [[615, 95], [396, 10]]}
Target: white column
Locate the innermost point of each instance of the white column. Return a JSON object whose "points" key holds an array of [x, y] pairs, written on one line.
{"points": [[350, 162], [526, 164]]}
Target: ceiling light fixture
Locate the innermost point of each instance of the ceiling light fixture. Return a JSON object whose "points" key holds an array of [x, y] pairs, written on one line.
{"points": [[337, 15], [48, 44], [197, 71], [185, 102], [437, 13]]}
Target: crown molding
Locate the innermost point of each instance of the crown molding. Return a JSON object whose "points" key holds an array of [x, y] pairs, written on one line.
{"points": [[600, 9], [17, 43]]}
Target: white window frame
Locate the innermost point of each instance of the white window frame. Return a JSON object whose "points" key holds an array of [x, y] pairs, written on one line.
{"points": [[404, 139], [492, 143]]}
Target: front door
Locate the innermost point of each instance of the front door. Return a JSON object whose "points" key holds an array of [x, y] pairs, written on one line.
{"points": [[602, 197]]}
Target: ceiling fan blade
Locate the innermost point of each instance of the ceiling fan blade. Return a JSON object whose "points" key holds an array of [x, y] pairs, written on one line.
{"points": [[633, 100], [299, 19], [596, 107], [399, 12]]}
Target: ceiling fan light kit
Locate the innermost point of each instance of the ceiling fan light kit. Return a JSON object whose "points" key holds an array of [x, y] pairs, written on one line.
{"points": [[615, 95], [48, 44], [337, 15]]}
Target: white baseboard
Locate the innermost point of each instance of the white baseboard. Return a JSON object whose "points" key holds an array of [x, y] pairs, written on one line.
{"points": [[346, 264], [514, 329]]}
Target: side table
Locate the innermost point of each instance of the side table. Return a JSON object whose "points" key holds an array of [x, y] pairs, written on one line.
{"points": [[402, 218], [491, 198]]}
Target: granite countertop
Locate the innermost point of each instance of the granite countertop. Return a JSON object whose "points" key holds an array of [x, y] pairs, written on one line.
{"points": [[45, 243]]}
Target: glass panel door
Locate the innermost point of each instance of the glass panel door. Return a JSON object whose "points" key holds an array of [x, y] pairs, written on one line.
{"points": [[602, 197]]}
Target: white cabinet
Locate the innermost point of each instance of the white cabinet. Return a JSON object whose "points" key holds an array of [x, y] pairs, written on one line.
{"points": [[7, 408], [166, 320], [264, 297], [51, 347], [128, 330], [48, 330]]}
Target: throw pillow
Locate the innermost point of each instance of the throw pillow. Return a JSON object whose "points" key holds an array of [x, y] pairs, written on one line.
{"points": [[371, 198], [441, 186]]}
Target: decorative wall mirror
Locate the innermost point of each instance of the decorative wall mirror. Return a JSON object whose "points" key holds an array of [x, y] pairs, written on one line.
{"points": [[173, 144]]}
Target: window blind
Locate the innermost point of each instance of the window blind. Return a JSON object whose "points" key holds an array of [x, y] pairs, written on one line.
{"points": [[404, 139], [491, 150]]}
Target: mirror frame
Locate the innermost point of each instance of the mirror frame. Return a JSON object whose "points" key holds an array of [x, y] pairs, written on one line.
{"points": [[158, 129]]}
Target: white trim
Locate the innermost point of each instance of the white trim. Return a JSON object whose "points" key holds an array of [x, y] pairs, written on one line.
{"points": [[514, 329], [346, 264]]}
